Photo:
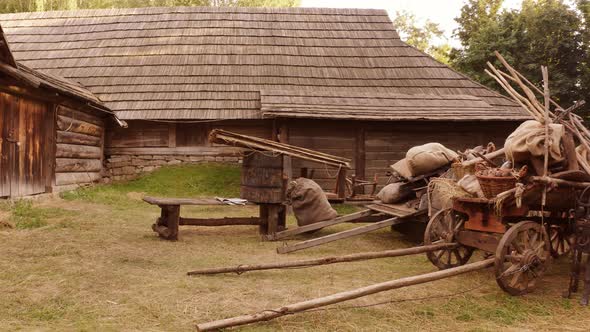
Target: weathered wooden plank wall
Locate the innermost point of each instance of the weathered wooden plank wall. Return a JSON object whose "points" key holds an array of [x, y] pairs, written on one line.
{"points": [[385, 144], [372, 146], [79, 149]]}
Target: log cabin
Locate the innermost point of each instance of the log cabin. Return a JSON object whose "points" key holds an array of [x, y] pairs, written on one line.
{"points": [[340, 81], [52, 130]]}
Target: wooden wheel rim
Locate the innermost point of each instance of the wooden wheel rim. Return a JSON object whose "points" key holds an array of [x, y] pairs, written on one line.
{"points": [[522, 257], [442, 228]]}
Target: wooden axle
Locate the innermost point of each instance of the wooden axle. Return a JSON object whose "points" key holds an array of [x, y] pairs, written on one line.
{"points": [[344, 296], [326, 260]]}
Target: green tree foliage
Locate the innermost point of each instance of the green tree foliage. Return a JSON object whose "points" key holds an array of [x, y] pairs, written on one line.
{"points": [[422, 37], [541, 32], [13, 6]]}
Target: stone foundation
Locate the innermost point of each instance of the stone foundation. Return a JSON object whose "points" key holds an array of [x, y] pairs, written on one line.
{"points": [[127, 167]]}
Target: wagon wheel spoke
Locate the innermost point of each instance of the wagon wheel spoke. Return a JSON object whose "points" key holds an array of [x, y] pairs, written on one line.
{"points": [[440, 254], [533, 239], [514, 281], [457, 255]]}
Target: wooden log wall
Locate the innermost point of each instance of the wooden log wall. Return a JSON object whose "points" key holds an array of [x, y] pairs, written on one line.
{"points": [[372, 146], [325, 136], [79, 147], [386, 144], [147, 145]]}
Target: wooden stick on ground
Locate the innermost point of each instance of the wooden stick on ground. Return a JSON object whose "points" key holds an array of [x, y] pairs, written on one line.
{"points": [[344, 296], [326, 260]]}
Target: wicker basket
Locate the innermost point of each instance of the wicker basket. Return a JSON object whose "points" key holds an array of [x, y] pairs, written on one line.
{"points": [[494, 185]]}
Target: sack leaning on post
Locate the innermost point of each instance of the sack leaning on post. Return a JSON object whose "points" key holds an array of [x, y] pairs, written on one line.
{"points": [[528, 141], [424, 159], [309, 202]]}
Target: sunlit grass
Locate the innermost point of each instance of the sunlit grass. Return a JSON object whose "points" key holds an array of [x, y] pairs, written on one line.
{"points": [[91, 262]]}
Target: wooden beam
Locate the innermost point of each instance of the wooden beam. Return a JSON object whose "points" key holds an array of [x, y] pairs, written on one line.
{"points": [[220, 222], [77, 165], [326, 260], [319, 225], [360, 157], [345, 234], [266, 315]]}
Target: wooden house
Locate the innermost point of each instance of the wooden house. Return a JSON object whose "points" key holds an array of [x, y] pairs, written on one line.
{"points": [[51, 130], [336, 80]]}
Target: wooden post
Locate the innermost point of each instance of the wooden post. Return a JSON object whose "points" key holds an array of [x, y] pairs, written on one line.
{"points": [[287, 176], [263, 228], [50, 147], [341, 183], [360, 158], [344, 296]]}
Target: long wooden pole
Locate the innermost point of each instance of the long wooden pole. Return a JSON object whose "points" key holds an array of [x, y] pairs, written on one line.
{"points": [[490, 155], [346, 234], [318, 225], [344, 296], [547, 97], [560, 182], [326, 260]]}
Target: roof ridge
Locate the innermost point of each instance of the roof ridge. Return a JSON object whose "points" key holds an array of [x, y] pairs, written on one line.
{"points": [[138, 11]]}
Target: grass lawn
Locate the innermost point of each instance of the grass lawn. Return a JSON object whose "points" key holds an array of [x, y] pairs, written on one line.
{"points": [[90, 261]]}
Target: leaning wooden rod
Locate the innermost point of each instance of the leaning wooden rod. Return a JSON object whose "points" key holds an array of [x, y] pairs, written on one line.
{"points": [[560, 182], [490, 155], [344, 296], [326, 260]]}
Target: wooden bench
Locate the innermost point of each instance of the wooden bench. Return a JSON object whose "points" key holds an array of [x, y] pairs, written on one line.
{"points": [[167, 224]]}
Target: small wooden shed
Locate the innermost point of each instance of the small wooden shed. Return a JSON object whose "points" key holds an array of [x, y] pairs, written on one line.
{"points": [[51, 130]]}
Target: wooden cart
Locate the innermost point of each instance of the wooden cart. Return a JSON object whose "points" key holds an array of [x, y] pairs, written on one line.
{"points": [[522, 237]]}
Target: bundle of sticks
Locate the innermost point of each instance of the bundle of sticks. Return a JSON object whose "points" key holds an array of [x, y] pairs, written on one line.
{"points": [[526, 97]]}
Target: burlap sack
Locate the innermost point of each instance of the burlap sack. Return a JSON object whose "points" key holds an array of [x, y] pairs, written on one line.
{"points": [[309, 202], [470, 184], [426, 158], [394, 192], [401, 168], [528, 140]]}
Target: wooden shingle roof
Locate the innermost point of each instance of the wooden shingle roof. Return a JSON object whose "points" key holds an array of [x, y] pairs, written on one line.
{"points": [[11, 68], [377, 106], [212, 63]]}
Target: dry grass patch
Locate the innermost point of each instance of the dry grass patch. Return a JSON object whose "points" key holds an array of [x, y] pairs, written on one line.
{"points": [[96, 264]]}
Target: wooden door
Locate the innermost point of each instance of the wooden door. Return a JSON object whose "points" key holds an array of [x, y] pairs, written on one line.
{"points": [[24, 160]]}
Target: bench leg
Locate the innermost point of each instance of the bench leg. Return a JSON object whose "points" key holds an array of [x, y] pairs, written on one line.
{"points": [[273, 218], [167, 225]]}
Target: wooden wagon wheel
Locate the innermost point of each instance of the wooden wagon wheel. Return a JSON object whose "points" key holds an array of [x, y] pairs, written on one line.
{"points": [[561, 240], [442, 228], [522, 257]]}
